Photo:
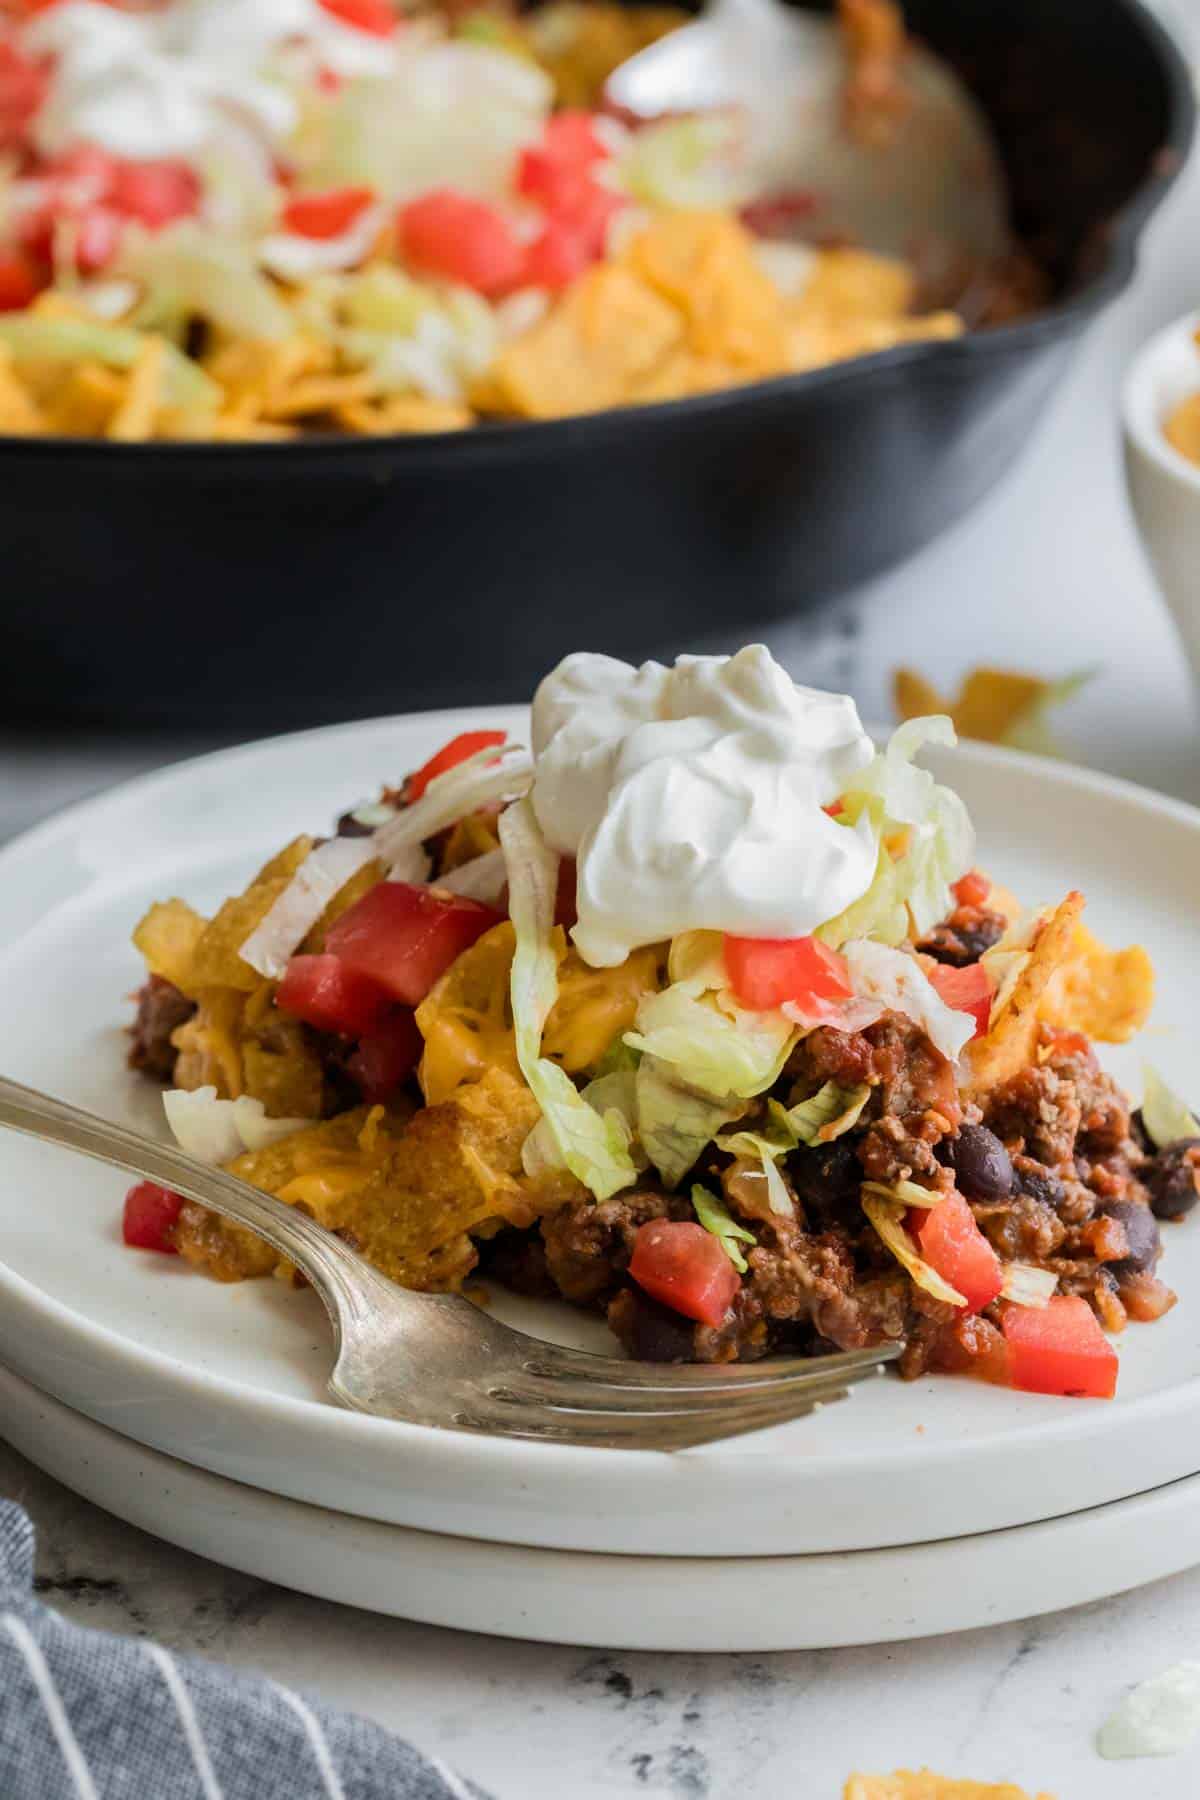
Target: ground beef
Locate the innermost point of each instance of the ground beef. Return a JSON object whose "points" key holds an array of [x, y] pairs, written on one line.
{"points": [[964, 936], [589, 1243], [1036, 1111], [161, 1009], [888, 1153]]}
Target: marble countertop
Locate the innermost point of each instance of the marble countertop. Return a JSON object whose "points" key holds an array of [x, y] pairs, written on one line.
{"points": [[1048, 576]]}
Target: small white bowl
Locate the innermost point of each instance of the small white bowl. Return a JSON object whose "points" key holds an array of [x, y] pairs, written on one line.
{"points": [[1163, 485]]}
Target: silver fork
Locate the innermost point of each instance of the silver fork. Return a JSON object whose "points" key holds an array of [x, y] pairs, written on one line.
{"points": [[435, 1359]]}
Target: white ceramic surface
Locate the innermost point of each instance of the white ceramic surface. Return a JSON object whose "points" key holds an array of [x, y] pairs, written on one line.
{"points": [[231, 1379], [571, 1597], [1163, 485]]}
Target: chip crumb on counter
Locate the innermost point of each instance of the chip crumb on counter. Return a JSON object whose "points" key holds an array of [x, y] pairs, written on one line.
{"points": [[923, 1784]]}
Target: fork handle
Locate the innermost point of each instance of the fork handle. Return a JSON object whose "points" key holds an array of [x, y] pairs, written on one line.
{"points": [[346, 1283]]}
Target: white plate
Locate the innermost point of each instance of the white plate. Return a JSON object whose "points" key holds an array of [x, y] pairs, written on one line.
{"points": [[570, 1597], [232, 1378]]}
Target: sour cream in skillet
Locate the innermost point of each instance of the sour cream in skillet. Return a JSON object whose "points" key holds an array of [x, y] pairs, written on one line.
{"points": [[691, 797]]}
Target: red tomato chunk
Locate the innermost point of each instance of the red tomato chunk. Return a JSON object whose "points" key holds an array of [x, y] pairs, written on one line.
{"points": [[387, 1056], [403, 937], [328, 214], [1060, 1349], [467, 743], [375, 16], [685, 1267], [461, 239], [952, 1244], [150, 1216], [972, 889], [766, 972], [326, 994], [967, 990], [19, 283]]}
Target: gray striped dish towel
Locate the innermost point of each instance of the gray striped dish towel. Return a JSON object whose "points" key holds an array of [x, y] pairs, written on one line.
{"points": [[87, 1715]]}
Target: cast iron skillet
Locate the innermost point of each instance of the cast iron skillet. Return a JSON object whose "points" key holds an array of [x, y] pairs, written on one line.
{"points": [[233, 587]]}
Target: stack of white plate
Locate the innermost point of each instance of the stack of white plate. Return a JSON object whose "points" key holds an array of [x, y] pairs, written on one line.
{"points": [[196, 1411]]}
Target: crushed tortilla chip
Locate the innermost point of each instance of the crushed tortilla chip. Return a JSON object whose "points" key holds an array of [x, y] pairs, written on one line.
{"points": [[217, 960], [923, 1784], [167, 938], [134, 419], [995, 706], [1010, 1043], [1106, 994]]}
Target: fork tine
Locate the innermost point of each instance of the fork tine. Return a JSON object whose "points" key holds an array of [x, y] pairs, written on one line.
{"points": [[575, 1368], [596, 1398], [664, 1431]]}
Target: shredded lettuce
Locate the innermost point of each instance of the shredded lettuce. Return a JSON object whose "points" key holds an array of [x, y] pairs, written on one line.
{"points": [[216, 1131], [728, 1233], [489, 775], [322, 874], [898, 981], [1026, 1286], [888, 1221], [190, 270], [674, 1121], [34, 339], [1164, 1114], [710, 1051], [688, 162], [595, 1148], [902, 797], [831, 1111], [778, 1197], [483, 878], [903, 1193], [617, 1058]]}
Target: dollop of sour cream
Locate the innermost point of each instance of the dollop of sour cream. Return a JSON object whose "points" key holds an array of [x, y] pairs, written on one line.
{"points": [[163, 83], [691, 797]]}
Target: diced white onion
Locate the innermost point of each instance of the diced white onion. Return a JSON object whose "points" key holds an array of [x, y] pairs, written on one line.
{"points": [[215, 1131], [497, 773], [483, 878]]}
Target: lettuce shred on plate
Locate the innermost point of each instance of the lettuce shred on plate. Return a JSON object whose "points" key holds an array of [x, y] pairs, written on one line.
{"points": [[892, 1126]]}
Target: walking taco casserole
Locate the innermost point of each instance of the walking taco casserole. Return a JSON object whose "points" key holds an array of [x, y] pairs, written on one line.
{"points": [[698, 1014]]}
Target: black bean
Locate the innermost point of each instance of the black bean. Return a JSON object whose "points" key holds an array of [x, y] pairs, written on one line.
{"points": [[658, 1334], [982, 1167], [1173, 1178], [826, 1180], [350, 827], [1141, 1234], [1038, 1182]]}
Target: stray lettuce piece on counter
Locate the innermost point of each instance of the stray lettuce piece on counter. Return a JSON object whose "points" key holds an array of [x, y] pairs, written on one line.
{"points": [[994, 706], [1164, 1114], [714, 1217], [594, 1148]]}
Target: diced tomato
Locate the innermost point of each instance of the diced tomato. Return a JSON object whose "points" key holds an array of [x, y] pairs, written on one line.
{"points": [[589, 215], [554, 171], [155, 192], [556, 257], [952, 1244], [835, 808], [766, 972], [375, 16], [685, 1267], [1059, 1348], [19, 282], [467, 743], [326, 994], [571, 137], [966, 990], [461, 239], [150, 1216], [971, 889], [403, 936], [328, 214], [386, 1056], [23, 85]]}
